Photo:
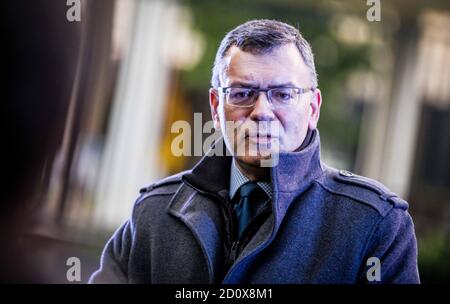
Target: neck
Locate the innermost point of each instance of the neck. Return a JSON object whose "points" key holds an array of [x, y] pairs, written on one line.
{"points": [[253, 173]]}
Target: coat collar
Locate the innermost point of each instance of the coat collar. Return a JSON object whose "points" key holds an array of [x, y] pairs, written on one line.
{"points": [[212, 173], [290, 177], [294, 174]]}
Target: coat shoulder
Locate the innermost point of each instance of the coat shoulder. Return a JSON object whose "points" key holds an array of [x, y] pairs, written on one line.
{"points": [[165, 186], [361, 189]]}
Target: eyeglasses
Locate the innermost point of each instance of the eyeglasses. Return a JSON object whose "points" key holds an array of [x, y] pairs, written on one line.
{"points": [[279, 97]]}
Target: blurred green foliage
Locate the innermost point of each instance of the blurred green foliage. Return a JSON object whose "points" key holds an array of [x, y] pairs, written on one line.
{"points": [[434, 257]]}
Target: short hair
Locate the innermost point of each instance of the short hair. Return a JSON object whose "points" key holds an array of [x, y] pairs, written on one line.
{"points": [[261, 37]]}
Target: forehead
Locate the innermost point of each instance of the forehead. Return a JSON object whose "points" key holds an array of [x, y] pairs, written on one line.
{"points": [[282, 65]]}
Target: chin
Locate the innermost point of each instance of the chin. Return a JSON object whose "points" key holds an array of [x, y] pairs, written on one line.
{"points": [[251, 155], [254, 161]]}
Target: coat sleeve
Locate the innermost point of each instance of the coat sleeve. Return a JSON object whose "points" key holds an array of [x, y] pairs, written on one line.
{"points": [[114, 261], [393, 244], [114, 258]]}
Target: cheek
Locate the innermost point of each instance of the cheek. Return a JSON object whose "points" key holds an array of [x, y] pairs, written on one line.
{"points": [[294, 121], [233, 114], [294, 127], [233, 117], [224, 115]]}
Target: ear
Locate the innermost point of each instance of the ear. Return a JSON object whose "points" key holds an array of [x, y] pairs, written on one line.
{"points": [[314, 109], [214, 105]]}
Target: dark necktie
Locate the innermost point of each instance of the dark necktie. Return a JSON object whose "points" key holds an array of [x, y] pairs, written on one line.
{"points": [[247, 194]]}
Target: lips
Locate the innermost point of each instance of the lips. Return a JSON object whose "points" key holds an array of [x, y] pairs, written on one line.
{"points": [[256, 135], [261, 139], [261, 136]]}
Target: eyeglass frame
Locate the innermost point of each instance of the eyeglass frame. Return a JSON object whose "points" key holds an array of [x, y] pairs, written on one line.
{"points": [[299, 93]]}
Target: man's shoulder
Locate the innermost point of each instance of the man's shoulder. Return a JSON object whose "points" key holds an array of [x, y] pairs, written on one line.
{"points": [[167, 186], [164, 184], [360, 189]]}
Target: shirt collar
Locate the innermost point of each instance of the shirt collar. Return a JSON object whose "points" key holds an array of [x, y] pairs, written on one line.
{"points": [[237, 179]]}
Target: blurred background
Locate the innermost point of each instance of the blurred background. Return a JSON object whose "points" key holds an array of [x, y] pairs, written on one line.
{"points": [[87, 109]]}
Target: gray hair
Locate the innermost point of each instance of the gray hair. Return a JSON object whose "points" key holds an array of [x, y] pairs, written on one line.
{"points": [[262, 37]]}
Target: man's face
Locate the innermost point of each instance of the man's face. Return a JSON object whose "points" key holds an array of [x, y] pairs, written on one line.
{"points": [[282, 67]]}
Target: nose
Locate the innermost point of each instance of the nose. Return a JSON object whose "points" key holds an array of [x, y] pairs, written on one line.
{"points": [[262, 111]]}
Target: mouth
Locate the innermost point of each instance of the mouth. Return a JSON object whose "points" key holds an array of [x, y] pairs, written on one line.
{"points": [[261, 138]]}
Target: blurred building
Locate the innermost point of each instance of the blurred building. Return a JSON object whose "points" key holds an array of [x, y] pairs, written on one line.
{"points": [[143, 64]]}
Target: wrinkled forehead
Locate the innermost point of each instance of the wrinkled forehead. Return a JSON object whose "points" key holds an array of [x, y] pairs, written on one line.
{"points": [[280, 65]]}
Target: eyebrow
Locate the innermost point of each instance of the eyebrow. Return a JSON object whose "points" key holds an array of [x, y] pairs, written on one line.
{"points": [[286, 84], [243, 84], [250, 85]]}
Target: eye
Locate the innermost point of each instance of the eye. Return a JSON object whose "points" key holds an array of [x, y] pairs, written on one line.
{"points": [[238, 93], [283, 95]]}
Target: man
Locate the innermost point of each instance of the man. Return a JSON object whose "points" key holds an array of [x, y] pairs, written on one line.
{"points": [[272, 212]]}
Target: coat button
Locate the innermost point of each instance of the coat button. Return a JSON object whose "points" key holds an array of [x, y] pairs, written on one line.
{"points": [[346, 173]]}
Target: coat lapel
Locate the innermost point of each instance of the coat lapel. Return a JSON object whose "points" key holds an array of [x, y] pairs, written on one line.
{"points": [[203, 217]]}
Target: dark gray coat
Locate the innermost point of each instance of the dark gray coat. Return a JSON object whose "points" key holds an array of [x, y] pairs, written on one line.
{"points": [[324, 226]]}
